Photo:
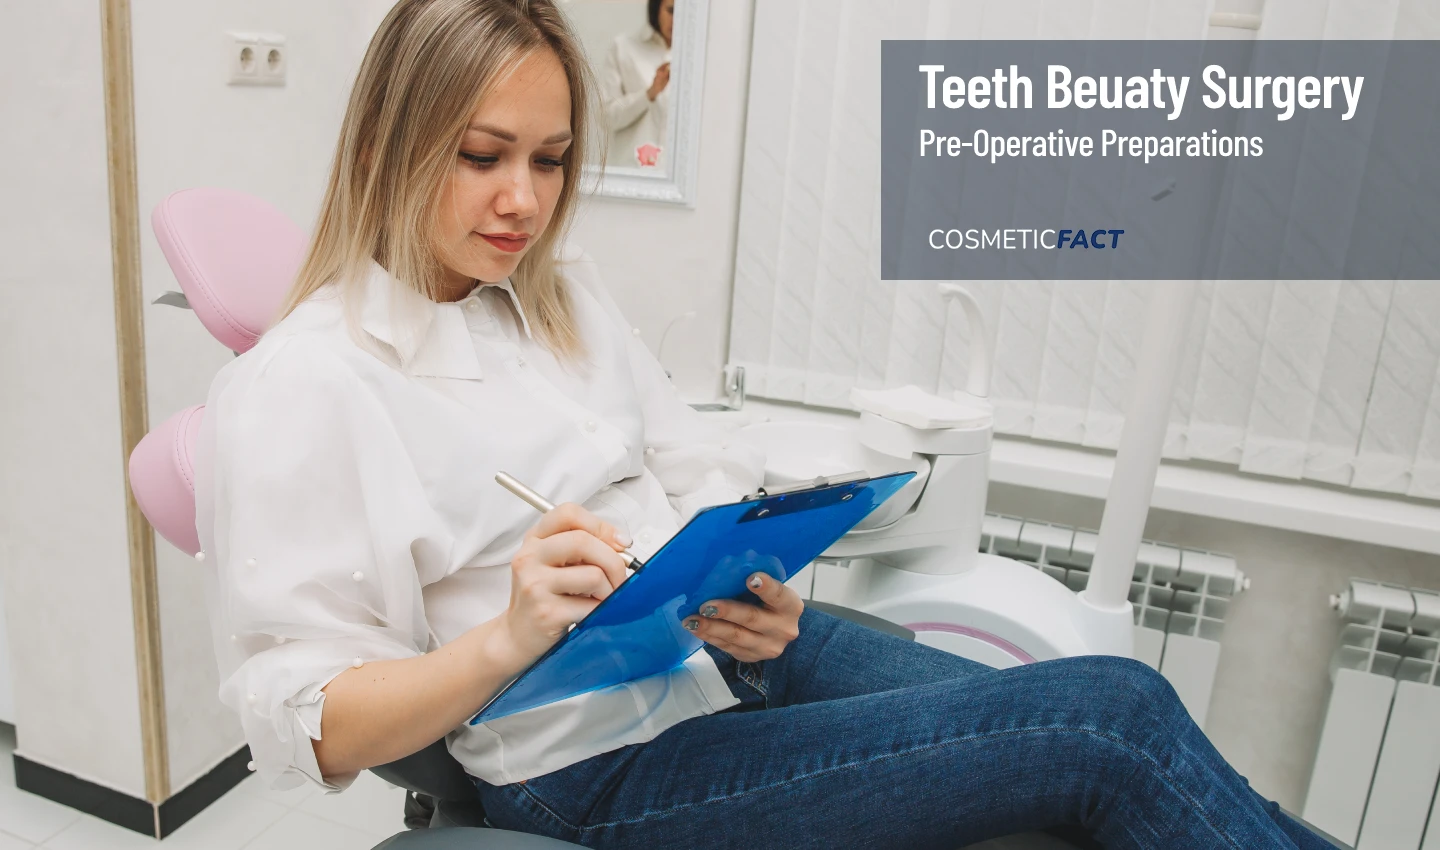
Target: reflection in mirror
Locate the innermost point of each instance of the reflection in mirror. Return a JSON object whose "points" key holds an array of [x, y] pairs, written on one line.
{"points": [[645, 56], [634, 77]]}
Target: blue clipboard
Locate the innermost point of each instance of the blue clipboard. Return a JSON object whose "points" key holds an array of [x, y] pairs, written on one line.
{"points": [[636, 631]]}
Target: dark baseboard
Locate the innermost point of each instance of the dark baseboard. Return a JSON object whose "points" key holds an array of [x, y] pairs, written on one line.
{"points": [[67, 789], [124, 810], [193, 799]]}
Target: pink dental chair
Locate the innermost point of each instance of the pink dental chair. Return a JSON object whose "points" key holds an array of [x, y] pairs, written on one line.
{"points": [[235, 257]]}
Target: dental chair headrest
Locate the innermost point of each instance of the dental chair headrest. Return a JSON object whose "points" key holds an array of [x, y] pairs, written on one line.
{"points": [[235, 257]]}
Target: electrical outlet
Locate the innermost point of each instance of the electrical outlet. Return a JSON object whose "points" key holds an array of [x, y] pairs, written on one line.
{"points": [[257, 59]]}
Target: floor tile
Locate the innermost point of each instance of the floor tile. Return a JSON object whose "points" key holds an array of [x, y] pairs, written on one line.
{"points": [[91, 833], [227, 824], [369, 805], [303, 831], [290, 799], [32, 818]]}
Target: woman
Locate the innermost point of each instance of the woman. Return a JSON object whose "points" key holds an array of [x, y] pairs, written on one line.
{"points": [[372, 587], [634, 89]]}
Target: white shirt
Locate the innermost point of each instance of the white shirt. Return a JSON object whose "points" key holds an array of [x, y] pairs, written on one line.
{"points": [[630, 116], [346, 503]]}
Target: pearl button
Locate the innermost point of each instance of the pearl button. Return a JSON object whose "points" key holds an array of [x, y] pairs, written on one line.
{"points": [[279, 640], [644, 537], [200, 556], [590, 425], [358, 576], [635, 331], [234, 638], [357, 663], [252, 699], [249, 562], [472, 305], [650, 450], [250, 765]]}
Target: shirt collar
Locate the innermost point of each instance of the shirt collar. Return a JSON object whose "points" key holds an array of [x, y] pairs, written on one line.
{"points": [[430, 339], [509, 289]]}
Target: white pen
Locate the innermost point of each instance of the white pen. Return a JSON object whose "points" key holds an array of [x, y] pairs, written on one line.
{"points": [[543, 505]]}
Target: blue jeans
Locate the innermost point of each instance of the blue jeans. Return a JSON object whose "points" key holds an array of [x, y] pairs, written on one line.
{"points": [[853, 738]]}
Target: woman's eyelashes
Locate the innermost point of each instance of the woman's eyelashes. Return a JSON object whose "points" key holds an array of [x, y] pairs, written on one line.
{"points": [[545, 163]]}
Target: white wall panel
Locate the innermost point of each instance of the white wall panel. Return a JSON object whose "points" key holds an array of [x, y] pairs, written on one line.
{"points": [[1062, 397], [1229, 365], [1400, 393], [1349, 370], [1177, 436], [843, 267], [1302, 380], [1425, 475], [759, 232], [66, 562], [1292, 362], [1115, 361]]}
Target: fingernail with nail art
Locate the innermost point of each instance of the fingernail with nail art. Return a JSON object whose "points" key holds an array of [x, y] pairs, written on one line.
{"points": [[755, 582], [709, 611], [691, 625]]}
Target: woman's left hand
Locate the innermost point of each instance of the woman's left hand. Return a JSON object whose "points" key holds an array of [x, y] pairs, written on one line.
{"points": [[751, 632]]}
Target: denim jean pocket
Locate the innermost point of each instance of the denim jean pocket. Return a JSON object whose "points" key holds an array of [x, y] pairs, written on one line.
{"points": [[752, 674]]}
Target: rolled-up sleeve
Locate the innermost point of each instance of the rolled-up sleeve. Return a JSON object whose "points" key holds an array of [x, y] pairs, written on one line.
{"points": [[308, 541], [697, 461]]}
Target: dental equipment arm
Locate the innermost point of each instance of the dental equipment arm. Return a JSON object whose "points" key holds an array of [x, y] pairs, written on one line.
{"points": [[1146, 420], [977, 378]]}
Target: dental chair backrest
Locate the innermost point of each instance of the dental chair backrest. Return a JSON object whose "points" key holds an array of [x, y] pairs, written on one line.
{"points": [[235, 257]]}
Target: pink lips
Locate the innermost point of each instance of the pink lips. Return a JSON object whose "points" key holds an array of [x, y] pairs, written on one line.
{"points": [[507, 243]]}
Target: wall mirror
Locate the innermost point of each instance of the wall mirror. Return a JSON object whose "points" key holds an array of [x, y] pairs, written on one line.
{"points": [[648, 59]]}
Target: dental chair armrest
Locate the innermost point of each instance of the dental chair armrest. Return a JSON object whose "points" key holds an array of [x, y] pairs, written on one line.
{"points": [[471, 839], [860, 618], [432, 772]]}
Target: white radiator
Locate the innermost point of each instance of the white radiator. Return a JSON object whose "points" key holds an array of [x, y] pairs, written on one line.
{"points": [[1181, 596], [1377, 764]]}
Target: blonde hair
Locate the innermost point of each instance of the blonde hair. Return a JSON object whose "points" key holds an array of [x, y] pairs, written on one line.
{"points": [[427, 69]]}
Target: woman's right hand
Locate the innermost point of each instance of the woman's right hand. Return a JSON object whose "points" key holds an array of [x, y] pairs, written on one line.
{"points": [[567, 564], [662, 79]]}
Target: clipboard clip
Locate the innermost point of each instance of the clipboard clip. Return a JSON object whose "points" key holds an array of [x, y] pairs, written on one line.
{"points": [[817, 481]]}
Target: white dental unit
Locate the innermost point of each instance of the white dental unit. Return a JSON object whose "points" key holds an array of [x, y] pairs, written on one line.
{"points": [[915, 561]]}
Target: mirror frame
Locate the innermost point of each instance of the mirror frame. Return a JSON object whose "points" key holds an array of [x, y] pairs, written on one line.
{"points": [[677, 184]]}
